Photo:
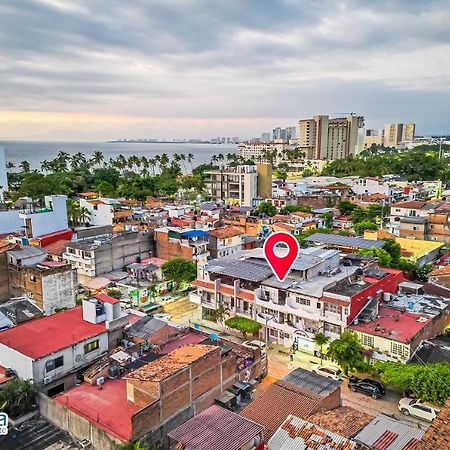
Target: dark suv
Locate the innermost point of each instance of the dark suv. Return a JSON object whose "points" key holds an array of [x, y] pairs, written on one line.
{"points": [[366, 386]]}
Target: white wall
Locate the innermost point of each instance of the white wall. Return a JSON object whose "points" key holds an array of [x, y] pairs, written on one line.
{"points": [[101, 216], [10, 221], [59, 290], [23, 365], [49, 222], [69, 354]]}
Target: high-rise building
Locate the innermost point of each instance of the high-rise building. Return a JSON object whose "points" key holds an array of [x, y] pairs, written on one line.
{"points": [[392, 134], [277, 133], [329, 139], [291, 133], [266, 137], [409, 132], [3, 175]]}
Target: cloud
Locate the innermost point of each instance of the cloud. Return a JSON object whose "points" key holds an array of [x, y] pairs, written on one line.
{"points": [[157, 66]]}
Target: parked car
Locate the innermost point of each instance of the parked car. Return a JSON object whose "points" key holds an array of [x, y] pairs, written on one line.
{"points": [[162, 316], [256, 344], [366, 386], [327, 371], [422, 410]]}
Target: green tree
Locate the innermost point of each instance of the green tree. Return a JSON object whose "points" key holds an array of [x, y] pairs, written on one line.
{"points": [[347, 352], [346, 207], [295, 208], [328, 218], [139, 446], [267, 208], [24, 166], [383, 257], [106, 189], [220, 314], [320, 339], [394, 250], [179, 271], [428, 382], [115, 293], [17, 397], [244, 325], [360, 227]]}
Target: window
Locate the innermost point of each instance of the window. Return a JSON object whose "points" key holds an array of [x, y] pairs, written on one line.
{"points": [[331, 328], [33, 278], [336, 309], [414, 228], [95, 208], [399, 349], [91, 346], [53, 364], [303, 301], [368, 341]]}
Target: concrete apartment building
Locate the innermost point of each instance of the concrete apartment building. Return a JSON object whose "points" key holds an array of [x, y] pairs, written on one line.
{"points": [[36, 221], [395, 133], [320, 294], [240, 185], [51, 285], [224, 241], [178, 242], [97, 256], [258, 151], [329, 139]]}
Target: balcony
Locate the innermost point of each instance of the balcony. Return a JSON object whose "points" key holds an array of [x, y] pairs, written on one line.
{"points": [[195, 298]]}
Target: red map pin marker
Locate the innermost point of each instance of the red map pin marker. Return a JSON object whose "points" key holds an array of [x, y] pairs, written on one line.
{"points": [[281, 251]]}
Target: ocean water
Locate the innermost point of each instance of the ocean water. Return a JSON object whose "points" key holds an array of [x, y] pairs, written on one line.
{"points": [[37, 151]]}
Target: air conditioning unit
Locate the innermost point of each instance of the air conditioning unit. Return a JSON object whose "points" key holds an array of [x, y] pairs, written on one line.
{"points": [[100, 380], [85, 443], [47, 380]]}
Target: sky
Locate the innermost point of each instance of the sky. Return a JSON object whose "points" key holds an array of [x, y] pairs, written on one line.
{"points": [[104, 69]]}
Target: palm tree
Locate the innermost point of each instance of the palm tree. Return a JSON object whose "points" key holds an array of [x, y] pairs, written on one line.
{"points": [[189, 159], [78, 160], [61, 161], [220, 314], [73, 211], [10, 165], [164, 161], [83, 215], [152, 164], [24, 166], [320, 339], [17, 396], [97, 158], [183, 161]]}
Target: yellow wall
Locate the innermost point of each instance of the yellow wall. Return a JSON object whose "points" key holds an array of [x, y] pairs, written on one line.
{"points": [[417, 247]]}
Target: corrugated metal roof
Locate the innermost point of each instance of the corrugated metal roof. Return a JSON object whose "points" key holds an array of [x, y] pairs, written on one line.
{"points": [[244, 269], [344, 241], [298, 434], [384, 433], [311, 382], [216, 429]]}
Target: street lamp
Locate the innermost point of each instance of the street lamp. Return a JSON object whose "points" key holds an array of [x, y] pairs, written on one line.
{"points": [[267, 318]]}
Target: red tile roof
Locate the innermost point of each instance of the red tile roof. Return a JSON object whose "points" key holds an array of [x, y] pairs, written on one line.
{"points": [[275, 404], [224, 233], [246, 295], [226, 290], [413, 204], [203, 284], [335, 301], [105, 298], [402, 330], [40, 337], [344, 420], [216, 428], [108, 408], [57, 248], [437, 435]]}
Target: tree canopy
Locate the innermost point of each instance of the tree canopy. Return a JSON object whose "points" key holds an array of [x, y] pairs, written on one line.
{"points": [[267, 208], [179, 270], [429, 382], [347, 352], [244, 325]]}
